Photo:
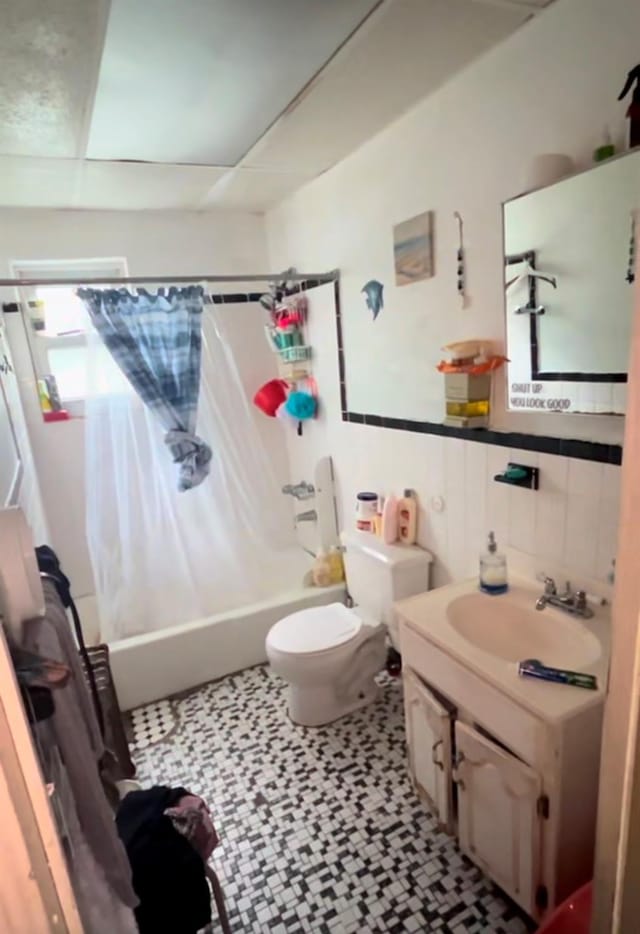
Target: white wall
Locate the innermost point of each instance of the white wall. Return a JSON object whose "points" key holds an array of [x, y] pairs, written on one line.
{"points": [[180, 243], [568, 526], [551, 87]]}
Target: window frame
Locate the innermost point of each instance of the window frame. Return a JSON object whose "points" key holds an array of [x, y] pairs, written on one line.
{"points": [[106, 268]]}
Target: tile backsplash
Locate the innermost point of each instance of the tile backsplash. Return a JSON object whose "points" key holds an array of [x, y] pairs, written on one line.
{"points": [[570, 522], [568, 526]]}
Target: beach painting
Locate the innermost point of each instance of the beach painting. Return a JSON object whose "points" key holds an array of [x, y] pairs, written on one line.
{"points": [[413, 249]]}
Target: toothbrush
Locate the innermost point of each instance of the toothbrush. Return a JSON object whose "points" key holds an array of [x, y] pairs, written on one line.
{"points": [[533, 668]]}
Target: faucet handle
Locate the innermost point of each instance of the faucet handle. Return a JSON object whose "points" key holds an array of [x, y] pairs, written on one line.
{"points": [[549, 586], [580, 600]]}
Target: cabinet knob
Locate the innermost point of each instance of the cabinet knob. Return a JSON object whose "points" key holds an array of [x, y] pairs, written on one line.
{"points": [[434, 754]]}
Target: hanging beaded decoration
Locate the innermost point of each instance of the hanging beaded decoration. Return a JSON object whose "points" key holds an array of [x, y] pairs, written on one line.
{"points": [[631, 266]]}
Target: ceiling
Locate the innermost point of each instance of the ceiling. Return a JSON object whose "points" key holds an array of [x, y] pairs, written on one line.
{"points": [[203, 104]]}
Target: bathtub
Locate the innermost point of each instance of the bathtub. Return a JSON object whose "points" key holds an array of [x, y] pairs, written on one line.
{"points": [[155, 665]]}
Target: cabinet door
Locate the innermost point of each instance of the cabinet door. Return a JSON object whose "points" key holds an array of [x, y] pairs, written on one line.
{"points": [[498, 823], [428, 726]]}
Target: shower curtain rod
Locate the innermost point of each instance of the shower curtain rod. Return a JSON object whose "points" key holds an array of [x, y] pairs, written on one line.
{"points": [[285, 276]]}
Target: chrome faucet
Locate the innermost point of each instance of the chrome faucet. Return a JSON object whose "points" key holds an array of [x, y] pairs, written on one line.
{"points": [[300, 490], [574, 603]]}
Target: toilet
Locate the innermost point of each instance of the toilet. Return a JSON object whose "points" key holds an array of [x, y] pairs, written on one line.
{"points": [[330, 655]]}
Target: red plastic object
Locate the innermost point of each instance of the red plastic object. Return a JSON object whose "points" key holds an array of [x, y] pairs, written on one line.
{"points": [[60, 415], [573, 916], [270, 397]]}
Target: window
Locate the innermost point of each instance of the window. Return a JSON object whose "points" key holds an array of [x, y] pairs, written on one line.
{"points": [[58, 327]]}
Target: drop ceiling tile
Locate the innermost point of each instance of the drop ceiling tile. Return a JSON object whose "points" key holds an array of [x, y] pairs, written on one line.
{"points": [[199, 81], [142, 186], [37, 183], [421, 43], [252, 189], [49, 58]]}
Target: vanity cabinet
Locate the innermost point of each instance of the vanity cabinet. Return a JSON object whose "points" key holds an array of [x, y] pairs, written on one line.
{"points": [[429, 724], [518, 791], [499, 814]]}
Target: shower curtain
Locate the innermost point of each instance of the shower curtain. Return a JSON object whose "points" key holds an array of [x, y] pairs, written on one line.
{"points": [[161, 557]]}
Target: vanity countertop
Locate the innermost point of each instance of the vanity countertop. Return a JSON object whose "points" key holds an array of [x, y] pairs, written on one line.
{"points": [[430, 615]]}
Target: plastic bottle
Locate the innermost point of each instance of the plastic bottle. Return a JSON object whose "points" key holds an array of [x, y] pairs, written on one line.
{"points": [[408, 518], [321, 570], [493, 568], [390, 520], [377, 521], [336, 565]]}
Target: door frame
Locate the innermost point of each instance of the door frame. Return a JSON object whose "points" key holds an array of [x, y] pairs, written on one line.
{"points": [[617, 857], [43, 886]]}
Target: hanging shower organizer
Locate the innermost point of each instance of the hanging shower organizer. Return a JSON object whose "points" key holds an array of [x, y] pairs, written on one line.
{"points": [[285, 331]]}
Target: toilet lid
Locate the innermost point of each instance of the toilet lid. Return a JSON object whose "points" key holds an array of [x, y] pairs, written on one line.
{"points": [[315, 629]]}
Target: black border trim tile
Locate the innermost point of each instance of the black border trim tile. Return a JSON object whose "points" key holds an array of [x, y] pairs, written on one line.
{"points": [[543, 444]]}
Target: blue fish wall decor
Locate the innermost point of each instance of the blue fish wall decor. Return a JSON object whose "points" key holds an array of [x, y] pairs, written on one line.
{"points": [[373, 294]]}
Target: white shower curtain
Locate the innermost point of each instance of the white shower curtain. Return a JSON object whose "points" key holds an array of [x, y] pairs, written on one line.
{"points": [[162, 557]]}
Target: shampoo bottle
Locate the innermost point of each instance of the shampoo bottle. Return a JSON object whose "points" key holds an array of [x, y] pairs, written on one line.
{"points": [[408, 518], [390, 520], [493, 569]]}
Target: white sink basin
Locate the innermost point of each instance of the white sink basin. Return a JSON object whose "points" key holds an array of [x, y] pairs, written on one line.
{"points": [[507, 627]]}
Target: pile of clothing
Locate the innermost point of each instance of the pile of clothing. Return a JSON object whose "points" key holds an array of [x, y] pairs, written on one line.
{"points": [[169, 836]]}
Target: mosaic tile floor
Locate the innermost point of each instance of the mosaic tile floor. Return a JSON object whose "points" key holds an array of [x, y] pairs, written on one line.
{"points": [[321, 830]]}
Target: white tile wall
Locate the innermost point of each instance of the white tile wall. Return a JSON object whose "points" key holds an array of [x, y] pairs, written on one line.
{"points": [[567, 527]]}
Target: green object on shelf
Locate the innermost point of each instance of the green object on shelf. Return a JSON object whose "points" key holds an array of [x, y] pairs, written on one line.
{"points": [[515, 473], [606, 149]]}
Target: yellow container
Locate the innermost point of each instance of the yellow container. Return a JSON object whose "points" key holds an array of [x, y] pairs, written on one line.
{"points": [[336, 566], [468, 409]]}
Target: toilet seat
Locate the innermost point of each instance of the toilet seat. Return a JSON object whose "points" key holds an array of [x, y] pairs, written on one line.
{"points": [[314, 630]]}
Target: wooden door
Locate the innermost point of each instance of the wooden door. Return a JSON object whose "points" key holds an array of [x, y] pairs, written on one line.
{"points": [[498, 823], [428, 726]]}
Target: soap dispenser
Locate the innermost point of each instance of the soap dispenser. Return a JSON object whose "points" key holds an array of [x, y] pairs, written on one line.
{"points": [[493, 569]]}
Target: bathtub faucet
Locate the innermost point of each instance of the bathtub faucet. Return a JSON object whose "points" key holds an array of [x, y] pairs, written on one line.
{"points": [[300, 490], [309, 516]]}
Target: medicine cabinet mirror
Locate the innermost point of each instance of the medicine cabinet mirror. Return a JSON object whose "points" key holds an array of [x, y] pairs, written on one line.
{"points": [[569, 286]]}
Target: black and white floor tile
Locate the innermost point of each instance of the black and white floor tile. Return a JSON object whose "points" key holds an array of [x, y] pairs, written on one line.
{"points": [[152, 723], [321, 830]]}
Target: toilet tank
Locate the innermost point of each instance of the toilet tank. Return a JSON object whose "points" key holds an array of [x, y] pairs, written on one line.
{"points": [[378, 574]]}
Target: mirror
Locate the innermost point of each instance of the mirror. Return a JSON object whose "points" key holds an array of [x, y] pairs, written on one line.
{"points": [[569, 263]]}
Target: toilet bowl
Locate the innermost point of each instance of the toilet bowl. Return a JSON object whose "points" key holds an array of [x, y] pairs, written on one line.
{"points": [[329, 655]]}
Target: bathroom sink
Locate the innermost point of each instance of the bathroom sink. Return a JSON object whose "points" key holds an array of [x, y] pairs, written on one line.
{"points": [[507, 627]]}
